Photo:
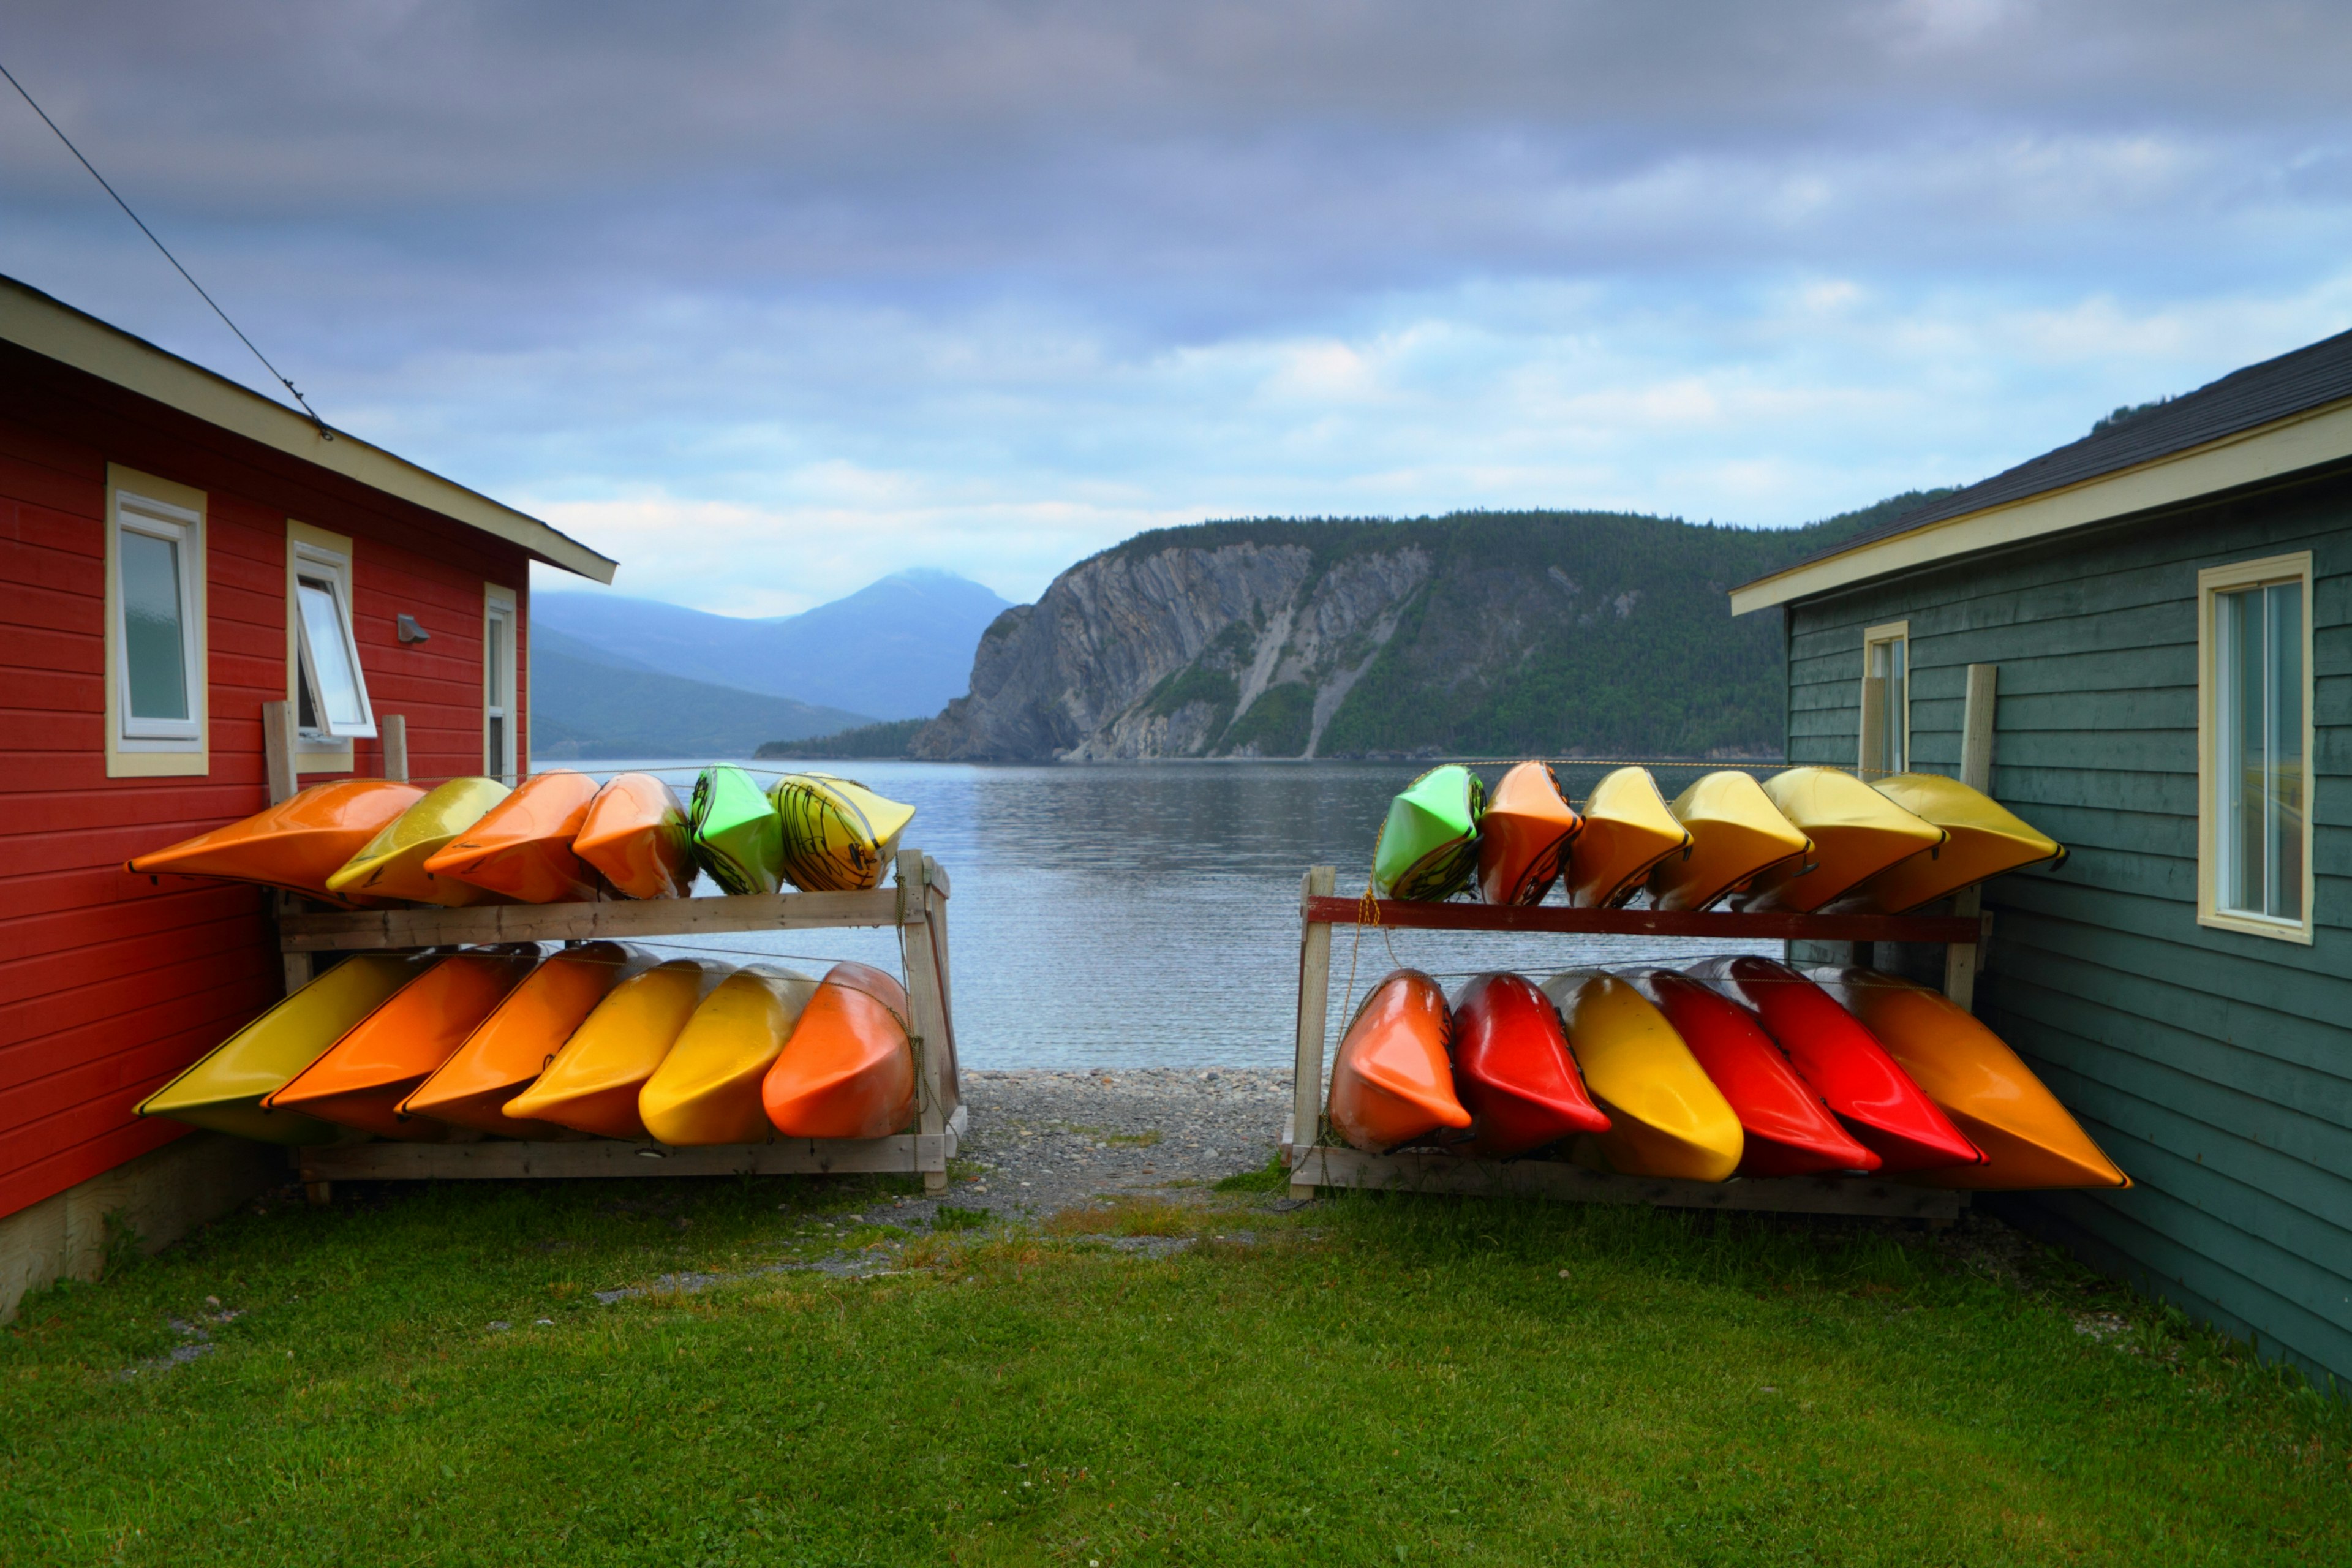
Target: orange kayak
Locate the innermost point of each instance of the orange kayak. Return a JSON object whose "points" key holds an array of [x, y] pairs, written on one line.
{"points": [[2028, 1140], [1391, 1083], [297, 844], [364, 1076], [593, 1084], [849, 1069], [635, 834], [1523, 836], [522, 845], [517, 1041]]}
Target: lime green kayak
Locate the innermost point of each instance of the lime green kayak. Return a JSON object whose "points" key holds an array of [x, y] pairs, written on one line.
{"points": [[1429, 846], [738, 838]]}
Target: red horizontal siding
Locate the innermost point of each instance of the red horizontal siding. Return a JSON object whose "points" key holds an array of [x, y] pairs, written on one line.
{"points": [[111, 984]]}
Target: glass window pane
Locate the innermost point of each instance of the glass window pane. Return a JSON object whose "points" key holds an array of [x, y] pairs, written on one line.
{"points": [[1897, 687], [2282, 620], [322, 623], [153, 639], [494, 762], [494, 661]]}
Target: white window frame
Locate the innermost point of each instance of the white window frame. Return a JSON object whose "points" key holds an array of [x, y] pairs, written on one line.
{"points": [[151, 748], [1873, 639], [498, 608], [316, 554], [2210, 583]]}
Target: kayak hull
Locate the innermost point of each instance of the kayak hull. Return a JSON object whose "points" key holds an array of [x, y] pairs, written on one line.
{"points": [[636, 833], [1428, 846], [1391, 1082], [738, 838], [2030, 1140], [392, 863], [297, 844], [361, 1081], [1856, 833], [1627, 831], [522, 848], [224, 1089], [1665, 1117], [593, 1083], [1846, 1064], [1982, 838], [1524, 836], [838, 837], [1736, 832], [515, 1044], [707, 1089], [849, 1069], [1785, 1127], [1513, 1072]]}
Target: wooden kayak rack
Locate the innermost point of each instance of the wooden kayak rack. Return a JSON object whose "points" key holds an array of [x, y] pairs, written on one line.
{"points": [[1316, 1164], [916, 905]]}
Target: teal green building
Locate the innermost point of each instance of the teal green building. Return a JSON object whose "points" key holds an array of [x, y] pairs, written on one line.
{"points": [[2168, 606]]}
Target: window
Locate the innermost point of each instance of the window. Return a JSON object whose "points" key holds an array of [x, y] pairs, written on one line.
{"points": [[323, 676], [499, 682], [1885, 700], [154, 627], [2254, 722]]}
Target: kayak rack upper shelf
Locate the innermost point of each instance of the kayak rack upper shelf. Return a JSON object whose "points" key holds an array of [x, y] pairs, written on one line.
{"points": [[1327, 910]]}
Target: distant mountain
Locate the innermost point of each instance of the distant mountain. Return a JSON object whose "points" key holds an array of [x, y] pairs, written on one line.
{"points": [[899, 648], [580, 708]]}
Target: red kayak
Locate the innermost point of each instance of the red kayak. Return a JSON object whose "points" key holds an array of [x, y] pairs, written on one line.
{"points": [[1789, 1131], [1512, 1070], [1874, 1097], [1390, 1084]]}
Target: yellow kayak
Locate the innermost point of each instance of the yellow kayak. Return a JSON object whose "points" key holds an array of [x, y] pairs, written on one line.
{"points": [[1985, 839], [593, 1084], [224, 1089], [838, 835], [1628, 830], [391, 866], [1736, 831], [1856, 833], [2028, 1140], [1666, 1118], [706, 1090]]}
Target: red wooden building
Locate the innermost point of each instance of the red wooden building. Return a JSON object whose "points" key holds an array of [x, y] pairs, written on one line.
{"points": [[176, 552]]}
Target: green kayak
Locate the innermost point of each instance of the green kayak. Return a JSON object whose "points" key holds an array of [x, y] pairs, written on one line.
{"points": [[738, 838], [1430, 846]]}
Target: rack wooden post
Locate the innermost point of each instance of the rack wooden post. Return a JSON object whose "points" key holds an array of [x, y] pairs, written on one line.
{"points": [[916, 905], [1315, 1164]]}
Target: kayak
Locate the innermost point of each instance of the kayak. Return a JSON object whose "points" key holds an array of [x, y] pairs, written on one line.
{"points": [[706, 1090], [593, 1084], [1666, 1118], [1788, 1130], [522, 845], [363, 1078], [1523, 836], [1627, 830], [1391, 1083], [1429, 844], [1736, 831], [392, 863], [224, 1086], [635, 834], [1846, 1064], [517, 1041], [1856, 832], [1512, 1070], [2028, 1138], [838, 835], [297, 844], [738, 838], [849, 1069], [1984, 839]]}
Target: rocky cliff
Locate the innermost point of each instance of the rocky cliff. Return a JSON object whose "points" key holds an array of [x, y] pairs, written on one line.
{"points": [[1557, 634]]}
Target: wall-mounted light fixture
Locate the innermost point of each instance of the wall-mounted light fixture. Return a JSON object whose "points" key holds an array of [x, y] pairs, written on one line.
{"points": [[411, 632]]}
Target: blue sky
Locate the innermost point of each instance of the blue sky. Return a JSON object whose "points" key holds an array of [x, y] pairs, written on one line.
{"points": [[769, 299]]}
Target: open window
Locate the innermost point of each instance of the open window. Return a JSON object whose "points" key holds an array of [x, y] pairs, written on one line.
{"points": [[498, 705], [2254, 742], [1885, 700], [154, 627], [325, 680]]}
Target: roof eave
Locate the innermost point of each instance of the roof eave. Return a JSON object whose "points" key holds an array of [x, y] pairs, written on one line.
{"points": [[55, 329]]}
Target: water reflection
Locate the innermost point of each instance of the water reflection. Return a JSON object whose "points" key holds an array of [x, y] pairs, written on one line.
{"points": [[1147, 915]]}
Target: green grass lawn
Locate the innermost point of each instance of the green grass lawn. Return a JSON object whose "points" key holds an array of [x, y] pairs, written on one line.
{"points": [[1415, 1381]]}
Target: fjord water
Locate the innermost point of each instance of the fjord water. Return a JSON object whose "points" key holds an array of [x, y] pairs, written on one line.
{"points": [[1147, 914]]}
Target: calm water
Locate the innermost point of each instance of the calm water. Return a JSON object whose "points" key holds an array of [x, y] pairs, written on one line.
{"points": [[1146, 915]]}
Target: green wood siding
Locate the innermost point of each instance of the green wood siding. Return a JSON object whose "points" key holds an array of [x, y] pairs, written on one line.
{"points": [[2216, 1068]]}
